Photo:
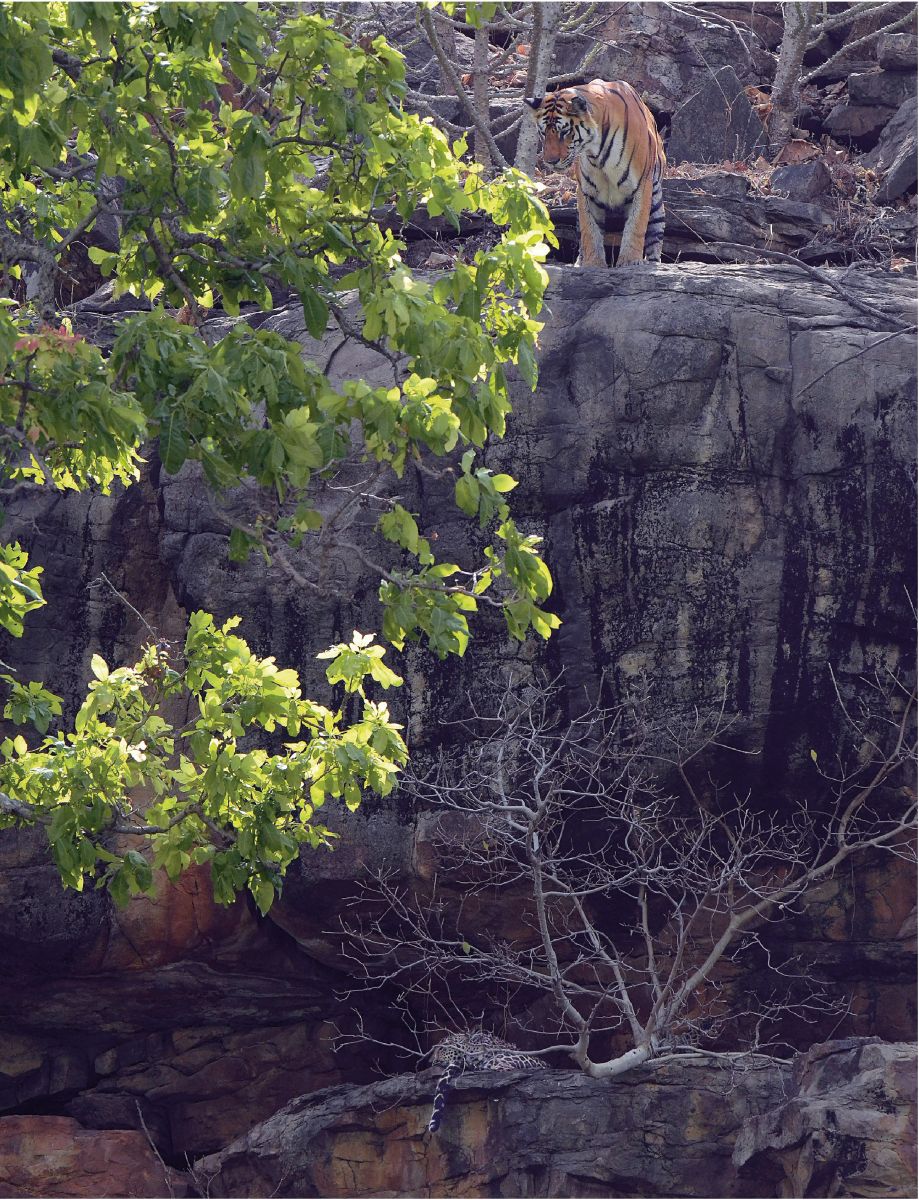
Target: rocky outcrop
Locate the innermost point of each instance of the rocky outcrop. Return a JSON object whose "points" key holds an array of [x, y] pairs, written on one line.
{"points": [[720, 460], [666, 1130], [722, 217], [848, 1127]]}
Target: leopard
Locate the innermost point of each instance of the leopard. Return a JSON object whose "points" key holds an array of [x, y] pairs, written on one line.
{"points": [[474, 1050]]}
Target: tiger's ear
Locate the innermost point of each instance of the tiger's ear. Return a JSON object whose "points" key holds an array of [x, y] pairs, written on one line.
{"points": [[533, 102], [578, 103]]}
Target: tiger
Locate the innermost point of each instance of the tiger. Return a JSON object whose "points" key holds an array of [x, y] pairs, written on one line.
{"points": [[618, 160]]}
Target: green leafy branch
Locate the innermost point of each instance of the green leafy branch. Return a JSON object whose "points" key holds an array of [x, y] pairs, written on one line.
{"points": [[244, 809], [252, 158]]}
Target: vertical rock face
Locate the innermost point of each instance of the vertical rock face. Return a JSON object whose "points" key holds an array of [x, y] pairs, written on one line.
{"points": [[720, 461], [722, 471]]}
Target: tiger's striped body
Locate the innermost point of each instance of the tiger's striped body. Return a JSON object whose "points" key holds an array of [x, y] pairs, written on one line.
{"points": [[612, 137]]}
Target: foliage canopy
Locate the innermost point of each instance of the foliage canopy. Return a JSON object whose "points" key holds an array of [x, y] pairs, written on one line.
{"points": [[241, 152]]}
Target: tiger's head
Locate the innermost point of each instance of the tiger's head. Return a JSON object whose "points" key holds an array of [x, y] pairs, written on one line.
{"points": [[565, 125]]}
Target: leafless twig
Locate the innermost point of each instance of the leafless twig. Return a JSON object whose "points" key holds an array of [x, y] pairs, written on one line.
{"points": [[631, 879]]}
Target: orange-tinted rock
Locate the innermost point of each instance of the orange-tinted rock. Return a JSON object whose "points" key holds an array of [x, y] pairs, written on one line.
{"points": [[55, 1156], [179, 920]]}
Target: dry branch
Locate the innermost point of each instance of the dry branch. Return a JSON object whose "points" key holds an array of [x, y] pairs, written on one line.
{"points": [[634, 879]]}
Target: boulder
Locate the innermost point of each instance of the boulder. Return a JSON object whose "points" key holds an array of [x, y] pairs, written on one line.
{"points": [[847, 1129], [898, 51], [716, 123], [894, 157], [857, 124], [888, 88], [802, 181], [900, 176], [46, 924]]}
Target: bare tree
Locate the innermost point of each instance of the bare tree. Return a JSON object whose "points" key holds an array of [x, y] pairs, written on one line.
{"points": [[806, 24], [636, 883], [512, 57], [798, 18]]}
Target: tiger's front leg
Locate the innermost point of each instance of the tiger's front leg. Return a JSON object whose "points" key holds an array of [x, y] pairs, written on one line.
{"points": [[632, 250], [593, 251]]}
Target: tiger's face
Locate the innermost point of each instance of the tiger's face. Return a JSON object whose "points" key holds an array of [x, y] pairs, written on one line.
{"points": [[564, 125]]}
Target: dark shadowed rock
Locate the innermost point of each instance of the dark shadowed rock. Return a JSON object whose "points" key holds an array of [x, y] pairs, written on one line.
{"points": [[895, 136], [857, 124], [717, 123], [45, 924], [802, 181], [898, 51], [889, 88]]}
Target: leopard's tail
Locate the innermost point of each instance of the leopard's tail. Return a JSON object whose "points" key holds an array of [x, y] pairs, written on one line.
{"points": [[444, 1084]]}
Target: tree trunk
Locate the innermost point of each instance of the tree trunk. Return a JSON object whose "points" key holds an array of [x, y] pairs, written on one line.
{"points": [[447, 34], [798, 17], [542, 50], [481, 93], [618, 1066]]}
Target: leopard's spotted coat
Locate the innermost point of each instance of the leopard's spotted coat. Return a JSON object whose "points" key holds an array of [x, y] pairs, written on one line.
{"points": [[474, 1051]]}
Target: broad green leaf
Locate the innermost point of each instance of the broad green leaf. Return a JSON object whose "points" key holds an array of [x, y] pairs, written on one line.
{"points": [[173, 446], [315, 312]]}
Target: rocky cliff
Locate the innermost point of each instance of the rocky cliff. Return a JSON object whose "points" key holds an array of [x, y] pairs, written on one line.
{"points": [[721, 461]]}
